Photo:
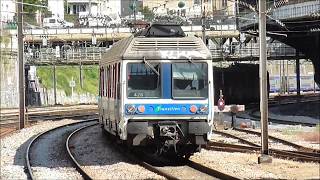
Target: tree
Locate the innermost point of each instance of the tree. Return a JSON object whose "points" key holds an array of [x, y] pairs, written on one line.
{"points": [[148, 14], [29, 9]]}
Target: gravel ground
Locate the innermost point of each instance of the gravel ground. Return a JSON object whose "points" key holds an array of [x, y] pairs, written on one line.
{"points": [[245, 166], [103, 162], [185, 172], [49, 157], [252, 138], [301, 135], [13, 148]]}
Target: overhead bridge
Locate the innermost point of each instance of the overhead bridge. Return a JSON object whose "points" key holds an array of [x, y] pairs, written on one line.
{"points": [[113, 34], [295, 23]]}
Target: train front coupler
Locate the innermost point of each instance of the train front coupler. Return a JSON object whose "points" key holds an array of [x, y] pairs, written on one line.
{"points": [[167, 135]]}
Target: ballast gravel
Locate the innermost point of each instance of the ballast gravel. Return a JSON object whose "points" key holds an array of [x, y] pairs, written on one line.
{"points": [[245, 166], [49, 155], [93, 151], [13, 148]]}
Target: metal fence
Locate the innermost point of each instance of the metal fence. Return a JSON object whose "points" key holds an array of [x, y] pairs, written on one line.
{"points": [[71, 55]]}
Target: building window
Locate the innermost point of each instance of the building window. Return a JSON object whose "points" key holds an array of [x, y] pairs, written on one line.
{"points": [[196, 2]]}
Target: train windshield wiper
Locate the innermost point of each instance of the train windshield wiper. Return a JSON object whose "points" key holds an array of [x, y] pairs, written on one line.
{"points": [[150, 66], [196, 66]]}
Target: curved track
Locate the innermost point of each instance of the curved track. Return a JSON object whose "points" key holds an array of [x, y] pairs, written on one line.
{"points": [[31, 145], [301, 154], [169, 169], [176, 167], [251, 111], [75, 162]]}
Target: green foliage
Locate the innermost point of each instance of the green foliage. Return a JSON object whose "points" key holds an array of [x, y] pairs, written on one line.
{"points": [[70, 18], [66, 73], [31, 9], [148, 14], [5, 38]]}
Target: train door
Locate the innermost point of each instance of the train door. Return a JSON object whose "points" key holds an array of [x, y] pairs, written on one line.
{"points": [[117, 95], [112, 99]]}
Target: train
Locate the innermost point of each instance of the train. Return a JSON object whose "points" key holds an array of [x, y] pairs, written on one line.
{"points": [[156, 90], [307, 83]]}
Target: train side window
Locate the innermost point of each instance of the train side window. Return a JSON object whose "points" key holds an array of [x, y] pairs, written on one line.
{"points": [[101, 82], [108, 84], [109, 81], [105, 77], [118, 82], [114, 80]]}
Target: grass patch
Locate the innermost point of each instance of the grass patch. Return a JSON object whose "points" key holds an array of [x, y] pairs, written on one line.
{"points": [[70, 18], [66, 73]]}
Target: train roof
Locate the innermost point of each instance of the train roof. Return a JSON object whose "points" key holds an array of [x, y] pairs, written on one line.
{"points": [[156, 47], [173, 48]]}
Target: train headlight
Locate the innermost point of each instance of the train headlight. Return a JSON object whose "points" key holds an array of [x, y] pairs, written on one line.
{"points": [[193, 109], [141, 109], [131, 109], [203, 109]]}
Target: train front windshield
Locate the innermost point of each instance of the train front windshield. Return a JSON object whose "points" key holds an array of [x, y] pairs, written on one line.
{"points": [[188, 80], [143, 81]]}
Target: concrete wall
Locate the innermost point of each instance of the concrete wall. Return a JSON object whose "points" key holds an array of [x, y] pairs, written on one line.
{"points": [[8, 74], [47, 97]]}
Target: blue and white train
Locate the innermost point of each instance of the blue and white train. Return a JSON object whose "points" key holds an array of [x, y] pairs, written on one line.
{"points": [[156, 88]]}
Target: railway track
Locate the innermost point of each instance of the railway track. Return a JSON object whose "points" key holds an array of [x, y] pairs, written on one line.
{"points": [[7, 118], [44, 152], [252, 111], [9, 121], [301, 153], [178, 168], [170, 169]]}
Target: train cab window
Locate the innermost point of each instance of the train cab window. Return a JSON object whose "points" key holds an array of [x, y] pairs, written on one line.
{"points": [[143, 80], [189, 80]]}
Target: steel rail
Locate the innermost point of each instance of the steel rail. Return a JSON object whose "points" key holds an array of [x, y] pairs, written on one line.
{"points": [[235, 137], [73, 159], [274, 152], [28, 151], [276, 101], [297, 146], [209, 171], [294, 155], [133, 157]]}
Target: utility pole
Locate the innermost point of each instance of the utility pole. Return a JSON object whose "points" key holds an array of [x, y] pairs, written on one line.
{"points": [[134, 5], [298, 72], [203, 11], [264, 158], [21, 68], [90, 7]]}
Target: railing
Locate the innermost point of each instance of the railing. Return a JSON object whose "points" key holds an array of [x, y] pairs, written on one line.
{"points": [[301, 8], [297, 10], [91, 55], [73, 55], [104, 30], [274, 51]]}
